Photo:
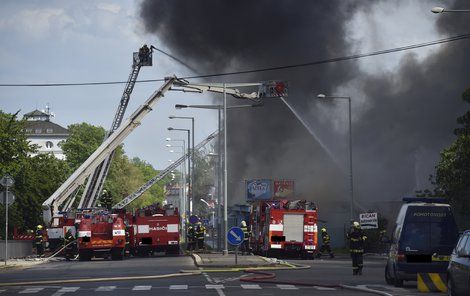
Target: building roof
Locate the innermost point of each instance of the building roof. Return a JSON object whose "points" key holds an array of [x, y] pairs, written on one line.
{"points": [[36, 113], [44, 129]]}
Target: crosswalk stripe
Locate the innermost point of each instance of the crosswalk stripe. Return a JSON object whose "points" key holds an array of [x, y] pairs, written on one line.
{"points": [[142, 288], [68, 289], [105, 288], [178, 287], [253, 287], [214, 286], [1, 291], [287, 287], [324, 288], [31, 290]]}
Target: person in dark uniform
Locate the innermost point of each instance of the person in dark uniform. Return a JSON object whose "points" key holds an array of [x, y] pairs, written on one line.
{"points": [[245, 248], [39, 240], [69, 244], [200, 235], [191, 237], [356, 247], [326, 244]]}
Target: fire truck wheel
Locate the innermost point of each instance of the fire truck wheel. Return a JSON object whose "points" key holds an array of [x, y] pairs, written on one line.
{"points": [[84, 256], [117, 254]]}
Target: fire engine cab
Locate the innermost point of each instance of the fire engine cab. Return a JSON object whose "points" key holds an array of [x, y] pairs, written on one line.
{"points": [[281, 227]]}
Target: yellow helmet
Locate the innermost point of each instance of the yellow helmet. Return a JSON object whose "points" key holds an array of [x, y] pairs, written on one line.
{"points": [[243, 224], [356, 224], [39, 227], [323, 229]]}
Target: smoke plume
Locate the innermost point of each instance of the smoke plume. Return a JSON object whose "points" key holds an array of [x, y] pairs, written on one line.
{"points": [[400, 124]]}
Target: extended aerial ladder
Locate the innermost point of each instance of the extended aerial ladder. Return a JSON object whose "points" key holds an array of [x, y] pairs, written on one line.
{"points": [[96, 180], [52, 204], [142, 189]]}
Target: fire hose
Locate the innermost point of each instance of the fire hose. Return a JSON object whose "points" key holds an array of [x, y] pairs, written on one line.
{"points": [[60, 250], [268, 278]]}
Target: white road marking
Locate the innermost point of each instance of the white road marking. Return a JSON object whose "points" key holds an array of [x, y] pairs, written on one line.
{"points": [[105, 289], [324, 288], [214, 286], [1, 291], [287, 287], [178, 287], [142, 288], [68, 289], [252, 287], [31, 290]]}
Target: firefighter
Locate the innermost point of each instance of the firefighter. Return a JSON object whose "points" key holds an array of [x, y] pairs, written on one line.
{"points": [[69, 245], [326, 244], [356, 247], [200, 235], [191, 237], [143, 53], [39, 241], [245, 247], [127, 247]]}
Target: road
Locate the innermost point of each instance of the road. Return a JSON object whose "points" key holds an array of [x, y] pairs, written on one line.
{"points": [[322, 272]]}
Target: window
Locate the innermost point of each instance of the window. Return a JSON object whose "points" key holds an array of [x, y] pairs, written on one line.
{"points": [[28, 130], [49, 131], [49, 144], [463, 244], [38, 131]]}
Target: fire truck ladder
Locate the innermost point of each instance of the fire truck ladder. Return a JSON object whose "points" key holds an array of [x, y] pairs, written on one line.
{"points": [[51, 205], [96, 180], [161, 175]]}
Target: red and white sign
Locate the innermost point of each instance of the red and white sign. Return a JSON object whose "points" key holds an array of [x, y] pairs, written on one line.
{"points": [[284, 189]]}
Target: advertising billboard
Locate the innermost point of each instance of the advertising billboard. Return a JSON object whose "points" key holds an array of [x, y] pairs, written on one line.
{"points": [[284, 189], [258, 189]]}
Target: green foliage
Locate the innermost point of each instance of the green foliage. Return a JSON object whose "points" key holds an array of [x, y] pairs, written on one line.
{"points": [[36, 178], [83, 140], [453, 170]]}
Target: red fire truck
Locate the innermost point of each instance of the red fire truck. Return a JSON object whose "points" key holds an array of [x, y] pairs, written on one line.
{"points": [[101, 234], [154, 229], [281, 227]]}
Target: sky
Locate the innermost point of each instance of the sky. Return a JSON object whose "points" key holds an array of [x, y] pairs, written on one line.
{"points": [[404, 104]]}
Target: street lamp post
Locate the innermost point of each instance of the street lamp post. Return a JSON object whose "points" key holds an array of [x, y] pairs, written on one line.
{"points": [[219, 108], [438, 9], [191, 176], [351, 183], [189, 163]]}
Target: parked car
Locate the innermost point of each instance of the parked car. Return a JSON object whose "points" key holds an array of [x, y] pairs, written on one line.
{"points": [[423, 238], [458, 272]]}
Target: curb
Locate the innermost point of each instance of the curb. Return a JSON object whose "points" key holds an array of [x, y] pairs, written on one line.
{"points": [[199, 263]]}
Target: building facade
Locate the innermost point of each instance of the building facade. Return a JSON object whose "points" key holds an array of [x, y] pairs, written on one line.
{"points": [[45, 134]]}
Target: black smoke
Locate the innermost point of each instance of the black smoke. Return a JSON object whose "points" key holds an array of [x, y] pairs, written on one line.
{"points": [[405, 119]]}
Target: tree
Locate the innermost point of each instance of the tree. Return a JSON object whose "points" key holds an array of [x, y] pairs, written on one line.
{"points": [[453, 170], [83, 140], [36, 178]]}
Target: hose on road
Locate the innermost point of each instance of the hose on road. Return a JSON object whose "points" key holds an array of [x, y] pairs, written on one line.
{"points": [[269, 278]]}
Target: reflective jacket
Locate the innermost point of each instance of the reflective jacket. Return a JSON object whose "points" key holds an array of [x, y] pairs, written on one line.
{"points": [[38, 238], [356, 240], [200, 231], [246, 233], [326, 238]]}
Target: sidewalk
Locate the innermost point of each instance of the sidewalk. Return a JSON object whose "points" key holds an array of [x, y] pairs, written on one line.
{"points": [[22, 262], [218, 260]]}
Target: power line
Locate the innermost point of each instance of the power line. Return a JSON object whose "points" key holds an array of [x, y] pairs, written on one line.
{"points": [[313, 63]]}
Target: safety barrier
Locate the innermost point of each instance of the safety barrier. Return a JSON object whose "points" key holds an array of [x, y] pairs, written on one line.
{"points": [[16, 248], [432, 282]]}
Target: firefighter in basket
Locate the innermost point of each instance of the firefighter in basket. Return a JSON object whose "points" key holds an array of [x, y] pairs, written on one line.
{"points": [[69, 245], [326, 244], [356, 247], [200, 235], [245, 248]]}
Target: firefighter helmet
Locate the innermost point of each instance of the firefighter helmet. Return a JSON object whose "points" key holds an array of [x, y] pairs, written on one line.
{"points": [[356, 224], [39, 227], [323, 229], [243, 223]]}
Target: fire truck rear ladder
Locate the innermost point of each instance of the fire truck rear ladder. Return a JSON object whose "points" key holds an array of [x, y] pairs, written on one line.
{"points": [[96, 180], [161, 175]]}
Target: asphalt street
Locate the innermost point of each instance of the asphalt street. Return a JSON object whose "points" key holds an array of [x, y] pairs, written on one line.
{"points": [[321, 278]]}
